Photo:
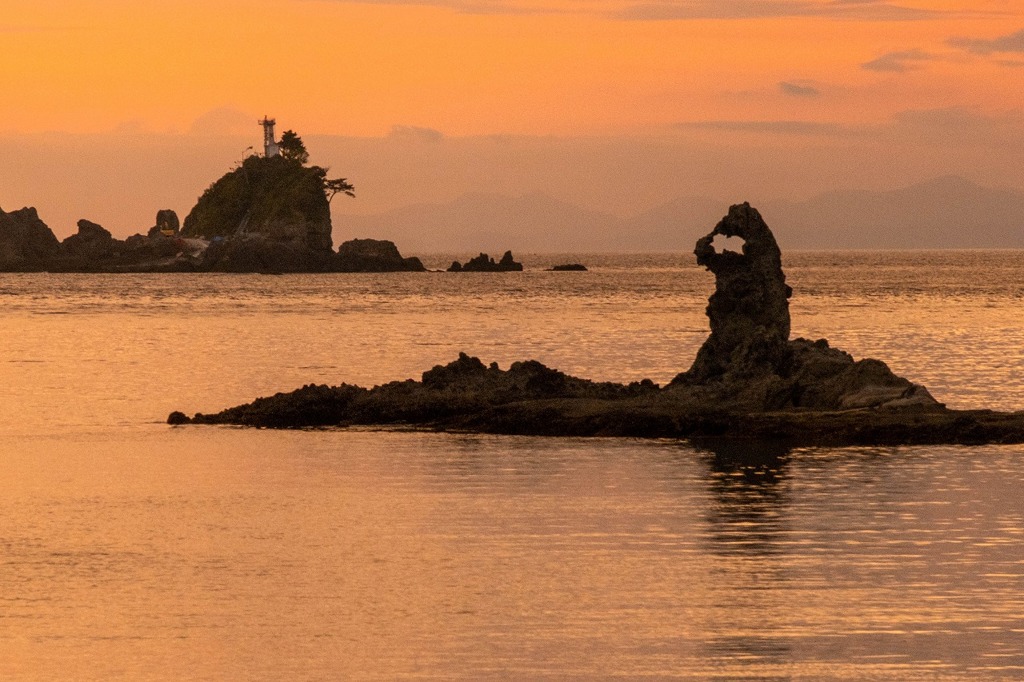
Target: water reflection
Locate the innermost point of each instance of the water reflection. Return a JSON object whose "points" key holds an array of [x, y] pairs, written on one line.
{"points": [[746, 528], [748, 486]]}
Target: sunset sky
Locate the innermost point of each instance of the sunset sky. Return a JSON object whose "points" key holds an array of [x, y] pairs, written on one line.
{"points": [[155, 100]]}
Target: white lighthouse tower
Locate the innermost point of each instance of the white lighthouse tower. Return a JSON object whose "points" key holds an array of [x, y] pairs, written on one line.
{"points": [[270, 147]]}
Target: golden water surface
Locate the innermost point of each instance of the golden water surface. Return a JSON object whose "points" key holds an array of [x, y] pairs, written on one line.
{"points": [[133, 550]]}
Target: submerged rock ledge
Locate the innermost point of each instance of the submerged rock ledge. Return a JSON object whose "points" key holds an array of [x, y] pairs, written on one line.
{"points": [[748, 381]]}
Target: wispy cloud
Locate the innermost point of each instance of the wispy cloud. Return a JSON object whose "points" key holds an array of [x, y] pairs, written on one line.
{"points": [[224, 121], [941, 128], [415, 134], [799, 89], [960, 125], [1013, 42], [899, 62], [484, 7], [858, 10], [772, 127], [670, 10]]}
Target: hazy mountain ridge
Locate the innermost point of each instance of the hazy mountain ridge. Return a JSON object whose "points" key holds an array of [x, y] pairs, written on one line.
{"points": [[946, 212], [487, 222]]}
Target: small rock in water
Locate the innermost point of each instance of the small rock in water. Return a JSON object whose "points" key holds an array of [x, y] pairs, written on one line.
{"points": [[484, 263]]}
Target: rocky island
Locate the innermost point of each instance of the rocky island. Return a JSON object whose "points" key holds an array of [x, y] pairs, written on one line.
{"points": [[748, 381], [484, 263], [270, 214]]}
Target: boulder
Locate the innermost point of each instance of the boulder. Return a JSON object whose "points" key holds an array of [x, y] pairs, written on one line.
{"points": [[373, 255], [167, 224], [569, 267], [91, 243], [26, 243]]}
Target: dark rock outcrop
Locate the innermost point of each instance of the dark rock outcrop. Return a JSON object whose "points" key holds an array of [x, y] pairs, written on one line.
{"points": [[449, 392], [569, 267], [26, 243], [91, 243], [258, 253], [373, 255], [94, 249], [749, 381], [167, 224], [484, 263], [748, 361], [749, 310], [531, 399], [273, 198]]}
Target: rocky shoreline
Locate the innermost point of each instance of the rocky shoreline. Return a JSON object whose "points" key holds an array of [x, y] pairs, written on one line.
{"points": [[749, 381], [271, 214], [531, 399], [28, 245]]}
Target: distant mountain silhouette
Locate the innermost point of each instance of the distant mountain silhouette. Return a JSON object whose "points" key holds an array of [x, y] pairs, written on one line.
{"points": [[947, 212], [944, 213], [489, 222]]}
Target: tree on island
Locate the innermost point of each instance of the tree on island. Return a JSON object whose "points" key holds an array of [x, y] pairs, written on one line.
{"points": [[279, 197], [292, 148], [337, 186]]}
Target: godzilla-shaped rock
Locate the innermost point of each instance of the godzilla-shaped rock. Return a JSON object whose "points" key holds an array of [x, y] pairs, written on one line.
{"points": [[26, 243], [749, 381], [749, 310], [748, 360], [484, 263]]}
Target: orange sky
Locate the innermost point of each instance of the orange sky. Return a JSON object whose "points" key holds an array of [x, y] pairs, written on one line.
{"points": [[115, 108], [471, 67]]}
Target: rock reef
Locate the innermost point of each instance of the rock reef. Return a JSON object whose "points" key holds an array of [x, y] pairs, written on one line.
{"points": [[484, 263], [569, 267], [748, 381], [28, 245]]}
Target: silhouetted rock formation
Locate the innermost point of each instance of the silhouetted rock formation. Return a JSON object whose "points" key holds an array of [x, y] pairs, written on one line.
{"points": [[749, 311], [271, 214], [373, 255], [167, 224], [748, 381], [26, 243], [748, 360], [531, 399], [569, 267], [463, 387], [92, 242], [484, 263], [274, 198]]}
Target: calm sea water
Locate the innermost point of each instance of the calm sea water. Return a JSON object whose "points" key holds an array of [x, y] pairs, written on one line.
{"points": [[132, 550]]}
